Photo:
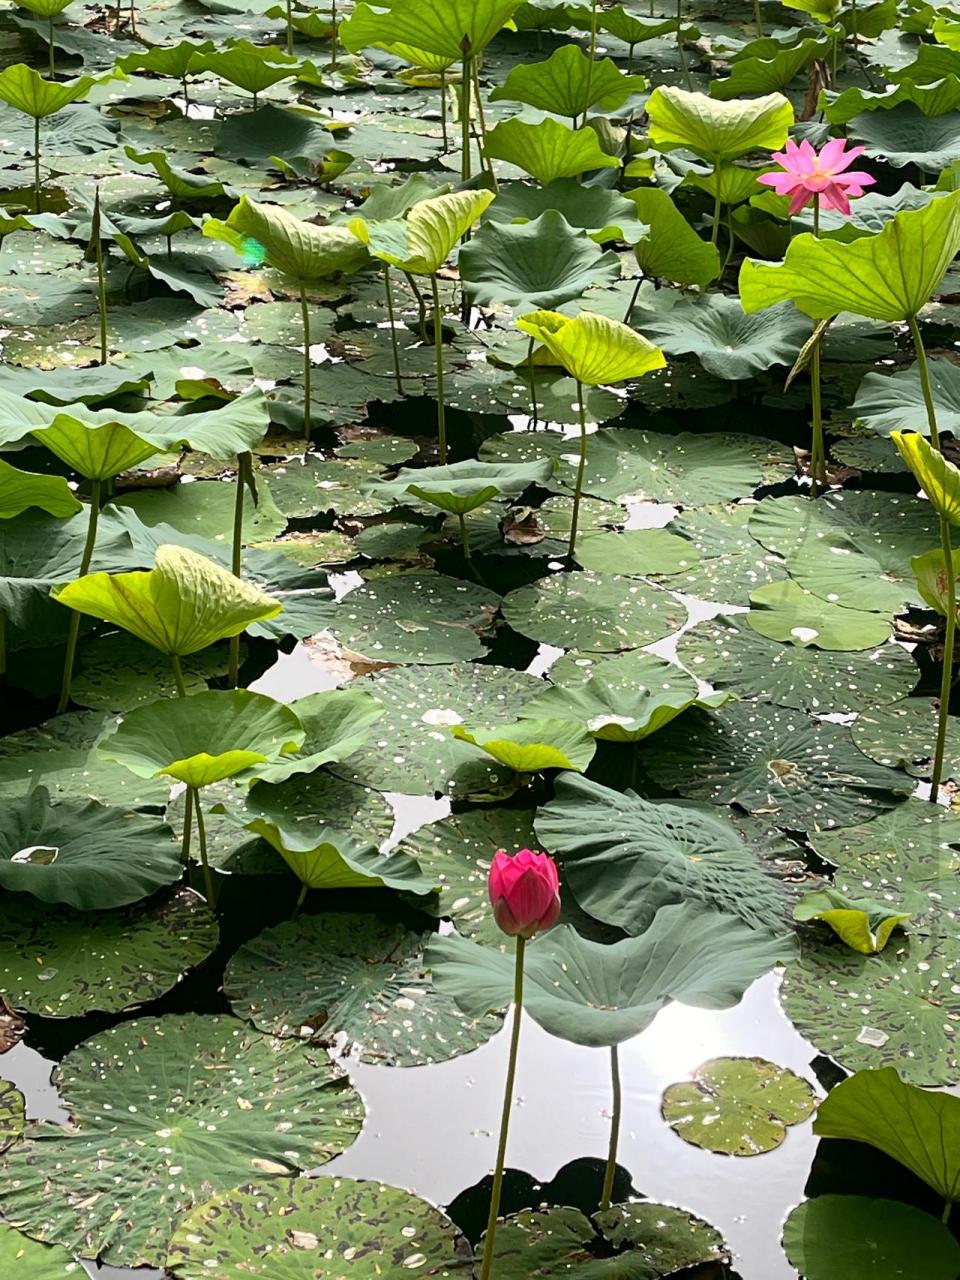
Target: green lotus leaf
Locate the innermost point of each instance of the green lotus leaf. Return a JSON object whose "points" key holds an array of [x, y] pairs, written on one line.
{"points": [[592, 348], [717, 130], [626, 26], [604, 215], [635, 552], [624, 857], [936, 475], [325, 858], [461, 487], [21, 490], [26, 90], [620, 713], [205, 737], [737, 1106], [888, 402], [785, 611], [45, 8], [438, 26], [936, 99], [336, 723], [865, 926], [596, 994], [770, 70], [853, 1238], [180, 606], [568, 85], [322, 1228], [86, 856], [602, 612], [672, 250], [540, 263], [181, 183], [918, 1128], [905, 136], [548, 150], [249, 66], [900, 736], [422, 241], [735, 183], [533, 745], [95, 452], [211, 1103], [36, 551], [889, 276], [302, 251], [166, 60], [33, 1260]]}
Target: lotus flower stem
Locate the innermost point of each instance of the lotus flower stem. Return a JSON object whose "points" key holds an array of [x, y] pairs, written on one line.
{"points": [[438, 342], [465, 83], [101, 279], [244, 471], [202, 841], [486, 1268], [611, 1171], [534, 420], [393, 326], [571, 549], [74, 630], [818, 453], [290, 26], [36, 164], [307, 365]]}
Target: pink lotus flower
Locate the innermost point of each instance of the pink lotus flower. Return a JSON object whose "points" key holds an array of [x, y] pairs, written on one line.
{"points": [[808, 174], [524, 891]]}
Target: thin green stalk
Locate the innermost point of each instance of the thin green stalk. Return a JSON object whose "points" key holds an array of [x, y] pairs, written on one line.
{"points": [[818, 456], [680, 49], [73, 633], [534, 410], [209, 890], [187, 828], [611, 1172], [301, 899], [580, 470], [732, 245], [924, 371], [185, 85], [758, 18], [51, 67], [464, 537], [336, 34], [717, 206], [307, 365], [36, 164], [438, 343], [290, 26], [243, 466], [946, 678], [947, 1211], [633, 299], [178, 675], [630, 57], [486, 1268], [466, 81], [481, 118], [443, 110], [101, 278], [593, 55], [421, 303], [393, 326]]}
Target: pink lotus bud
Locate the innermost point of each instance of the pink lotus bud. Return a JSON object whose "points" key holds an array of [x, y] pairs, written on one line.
{"points": [[525, 892]]}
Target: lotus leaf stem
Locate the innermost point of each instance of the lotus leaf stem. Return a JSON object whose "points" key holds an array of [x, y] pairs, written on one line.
{"points": [[593, 55], [717, 206], [481, 118], [178, 675], [633, 299], [307, 365], [486, 1268], [336, 34], [465, 82], [464, 537], [101, 278], [244, 470], [74, 630], [187, 827], [208, 886], [290, 26], [421, 303], [947, 1211], [438, 342], [818, 457], [443, 111], [611, 1171], [51, 66], [758, 19], [534, 418], [301, 899], [393, 326], [571, 549], [36, 164], [680, 49]]}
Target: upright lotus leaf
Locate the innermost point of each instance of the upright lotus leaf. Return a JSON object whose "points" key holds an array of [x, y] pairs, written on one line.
{"points": [[26, 90], [717, 130], [598, 994], [421, 242], [916, 1127], [604, 215], [541, 263], [335, 723], [321, 1229], [204, 738], [593, 348], [937, 477], [166, 60], [531, 746], [85, 855], [462, 487], [438, 26], [180, 606], [384, 204], [548, 150], [249, 66], [569, 83], [672, 250], [209, 1102], [888, 276], [96, 452], [843, 1237], [623, 857], [863, 924], [303, 251], [21, 490], [181, 183]]}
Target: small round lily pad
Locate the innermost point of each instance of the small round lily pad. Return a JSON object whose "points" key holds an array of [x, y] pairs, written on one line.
{"points": [[603, 612], [904, 735], [737, 1106]]}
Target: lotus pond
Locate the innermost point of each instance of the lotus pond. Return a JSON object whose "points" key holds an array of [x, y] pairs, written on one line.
{"points": [[478, 784]]}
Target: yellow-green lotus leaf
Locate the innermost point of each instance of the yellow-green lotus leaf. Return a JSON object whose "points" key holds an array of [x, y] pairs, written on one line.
{"points": [[20, 490], [97, 452], [714, 129], [29, 92], [530, 746], [938, 478], [266, 233], [422, 241], [180, 606], [592, 348], [548, 150]]}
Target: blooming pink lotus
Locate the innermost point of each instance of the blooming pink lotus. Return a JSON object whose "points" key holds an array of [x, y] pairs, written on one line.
{"points": [[524, 891], [808, 175]]}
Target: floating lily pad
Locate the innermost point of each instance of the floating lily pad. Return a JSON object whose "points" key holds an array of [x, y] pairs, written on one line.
{"points": [[86, 856], [737, 1106], [785, 611], [35, 1261], [209, 1102], [352, 976], [903, 736], [118, 672], [870, 529], [849, 1237], [732, 656], [635, 551], [732, 564], [898, 1008], [416, 618], [64, 963], [314, 1229], [600, 612], [805, 775], [412, 749], [310, 486]]}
